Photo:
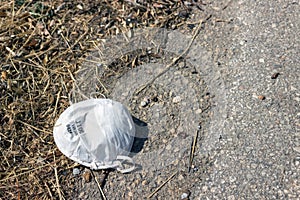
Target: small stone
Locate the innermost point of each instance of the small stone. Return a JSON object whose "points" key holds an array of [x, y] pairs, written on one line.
{"points": [[205, 188], [172, 130], [144, 182], [176, 99], [195, 169], [275, 75], [181, 65], [130, 194], [79, 7], [297, 149], [293, 88], [180, 177], [232, 179], [159, 180], [198, 111], [185, 194], [261, 97], [164, 141], [145, 102], [133, 185], [261, 60], [81, 195], [87, 176], [155, 99], [76, 171]]}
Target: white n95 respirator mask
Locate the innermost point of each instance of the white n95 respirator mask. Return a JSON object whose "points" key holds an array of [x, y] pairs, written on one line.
{"points": [[97, 133]]}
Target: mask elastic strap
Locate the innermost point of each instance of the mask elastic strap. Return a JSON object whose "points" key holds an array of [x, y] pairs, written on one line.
{"points": [[121, 167], [94, 166], [117, 164]]}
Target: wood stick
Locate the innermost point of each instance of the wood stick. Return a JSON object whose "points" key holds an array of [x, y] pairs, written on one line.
{"points": [[157, 189]]}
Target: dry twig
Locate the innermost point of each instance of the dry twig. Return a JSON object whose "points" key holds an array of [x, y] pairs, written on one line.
{"points": [[99, 186], [159, 187], [193, 147]]}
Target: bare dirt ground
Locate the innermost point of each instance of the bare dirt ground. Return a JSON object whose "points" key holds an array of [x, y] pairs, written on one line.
{"points": [[42, 45]]}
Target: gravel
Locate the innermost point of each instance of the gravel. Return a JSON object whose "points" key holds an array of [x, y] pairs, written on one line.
{"points": [[256, 157]]}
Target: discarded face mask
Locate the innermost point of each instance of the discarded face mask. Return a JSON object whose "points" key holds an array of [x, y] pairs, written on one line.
{"points": [[97, 133]]}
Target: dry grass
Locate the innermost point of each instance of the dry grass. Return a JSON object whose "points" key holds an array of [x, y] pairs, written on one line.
{"points": [[41, 46]]}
